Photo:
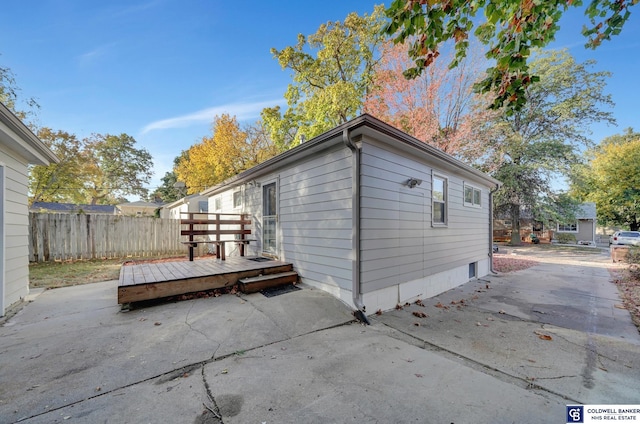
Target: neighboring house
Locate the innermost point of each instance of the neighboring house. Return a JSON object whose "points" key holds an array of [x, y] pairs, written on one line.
{"points": [[367, 213], [19, 148], [192, 203], [584, 226], [138, 208], [54, 207]]}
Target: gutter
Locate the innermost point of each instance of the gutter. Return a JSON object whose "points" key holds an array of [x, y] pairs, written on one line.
{"points": [[359, 313]]}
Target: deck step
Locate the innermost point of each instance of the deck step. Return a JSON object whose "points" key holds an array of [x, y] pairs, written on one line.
{"points": [[255, 284]]}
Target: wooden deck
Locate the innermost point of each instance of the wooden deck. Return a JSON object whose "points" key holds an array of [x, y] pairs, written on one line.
{"points": [[147, 281]]}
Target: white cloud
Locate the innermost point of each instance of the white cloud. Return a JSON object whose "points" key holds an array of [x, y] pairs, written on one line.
{"points": [[96, 54], [242, 111]]}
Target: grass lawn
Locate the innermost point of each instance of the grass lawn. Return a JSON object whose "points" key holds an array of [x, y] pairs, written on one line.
{"points": [[71, 273]]}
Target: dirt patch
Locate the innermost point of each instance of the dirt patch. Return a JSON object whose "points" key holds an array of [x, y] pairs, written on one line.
{"points": [[628, 283], [509, 263]]}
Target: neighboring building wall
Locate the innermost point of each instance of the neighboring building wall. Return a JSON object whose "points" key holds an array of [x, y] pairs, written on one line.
{"points": [[404, 256], [16, 230], [585, 230]]}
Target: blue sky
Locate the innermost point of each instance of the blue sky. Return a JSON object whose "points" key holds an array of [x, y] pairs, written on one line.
{"points": [[160, 70]]}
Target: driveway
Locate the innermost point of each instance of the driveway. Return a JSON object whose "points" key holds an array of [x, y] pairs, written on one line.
{"points": [[513, 348]]}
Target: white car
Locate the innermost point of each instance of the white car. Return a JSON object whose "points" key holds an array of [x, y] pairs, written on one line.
{"points": [[629, 238]]}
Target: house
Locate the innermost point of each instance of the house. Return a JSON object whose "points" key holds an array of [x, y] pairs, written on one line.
{"points": [[19, 148], [367, 213], [583, 227], [54, 207], [138, 208], [192, 203]]}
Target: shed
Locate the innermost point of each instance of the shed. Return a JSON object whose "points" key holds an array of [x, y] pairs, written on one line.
{"points": [[367, 213], [19, 148]]}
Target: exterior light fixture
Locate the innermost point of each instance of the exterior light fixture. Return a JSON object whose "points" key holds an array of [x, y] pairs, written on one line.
{"points": [[412, 182]]}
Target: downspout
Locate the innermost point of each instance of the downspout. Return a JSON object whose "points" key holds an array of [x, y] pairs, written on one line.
{"points": [[359, 313], [493, 271]]}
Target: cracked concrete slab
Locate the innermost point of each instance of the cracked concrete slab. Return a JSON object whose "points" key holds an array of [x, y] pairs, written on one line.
{"points": [[57, 350], [181, 395], [583, 348], [360, 374]]}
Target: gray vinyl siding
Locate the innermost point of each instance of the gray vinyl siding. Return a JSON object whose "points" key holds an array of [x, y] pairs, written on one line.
{"points": [[315, 217], [16, 226], [398, 242]]}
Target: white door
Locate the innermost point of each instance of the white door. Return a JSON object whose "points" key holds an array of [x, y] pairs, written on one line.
{"points": [[270, 218]]}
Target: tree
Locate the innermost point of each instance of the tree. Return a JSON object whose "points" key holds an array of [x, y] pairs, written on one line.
{"points": [[9, 96], [329, 85], [511, 30], [100, 169], [58, 182], [115, 168], [542, 139], [229, 151], [611, 179], [167, 192], [437, 107]]}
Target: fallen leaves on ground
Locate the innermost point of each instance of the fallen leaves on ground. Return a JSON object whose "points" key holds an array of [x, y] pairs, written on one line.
{"points": [[542, 335], [629, 288], [420, 314], [506, 263]]}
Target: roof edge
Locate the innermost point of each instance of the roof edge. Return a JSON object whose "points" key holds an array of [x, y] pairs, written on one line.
{"points": [[320, 142], [26, 135]]}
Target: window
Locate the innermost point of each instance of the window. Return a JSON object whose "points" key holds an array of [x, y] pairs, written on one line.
{"points": [[218, 203], [237, 199], [439, 200], [473, 270], [571, 227], [472, 196], [203, 206]]}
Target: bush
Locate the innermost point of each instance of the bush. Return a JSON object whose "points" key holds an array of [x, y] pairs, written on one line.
{"points": [[565, 238], [633, 257]]}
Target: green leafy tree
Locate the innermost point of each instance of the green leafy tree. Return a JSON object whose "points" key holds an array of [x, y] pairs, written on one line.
{"points": [[332, 71], [511, 30], [611, 179], [58, 182], [542, 139], [102, 169], [167, 192], [115, 168]]}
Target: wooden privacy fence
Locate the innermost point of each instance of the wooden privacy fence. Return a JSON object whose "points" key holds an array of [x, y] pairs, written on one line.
{"points": [[55, 237]]}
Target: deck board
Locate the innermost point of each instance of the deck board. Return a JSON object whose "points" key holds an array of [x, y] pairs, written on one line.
{"points": [[148, 281]]}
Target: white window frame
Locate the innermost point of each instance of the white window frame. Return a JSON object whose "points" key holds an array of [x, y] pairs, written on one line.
{"points": [[576, 223], [217, 203], [445, 201], [474, 190]]}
